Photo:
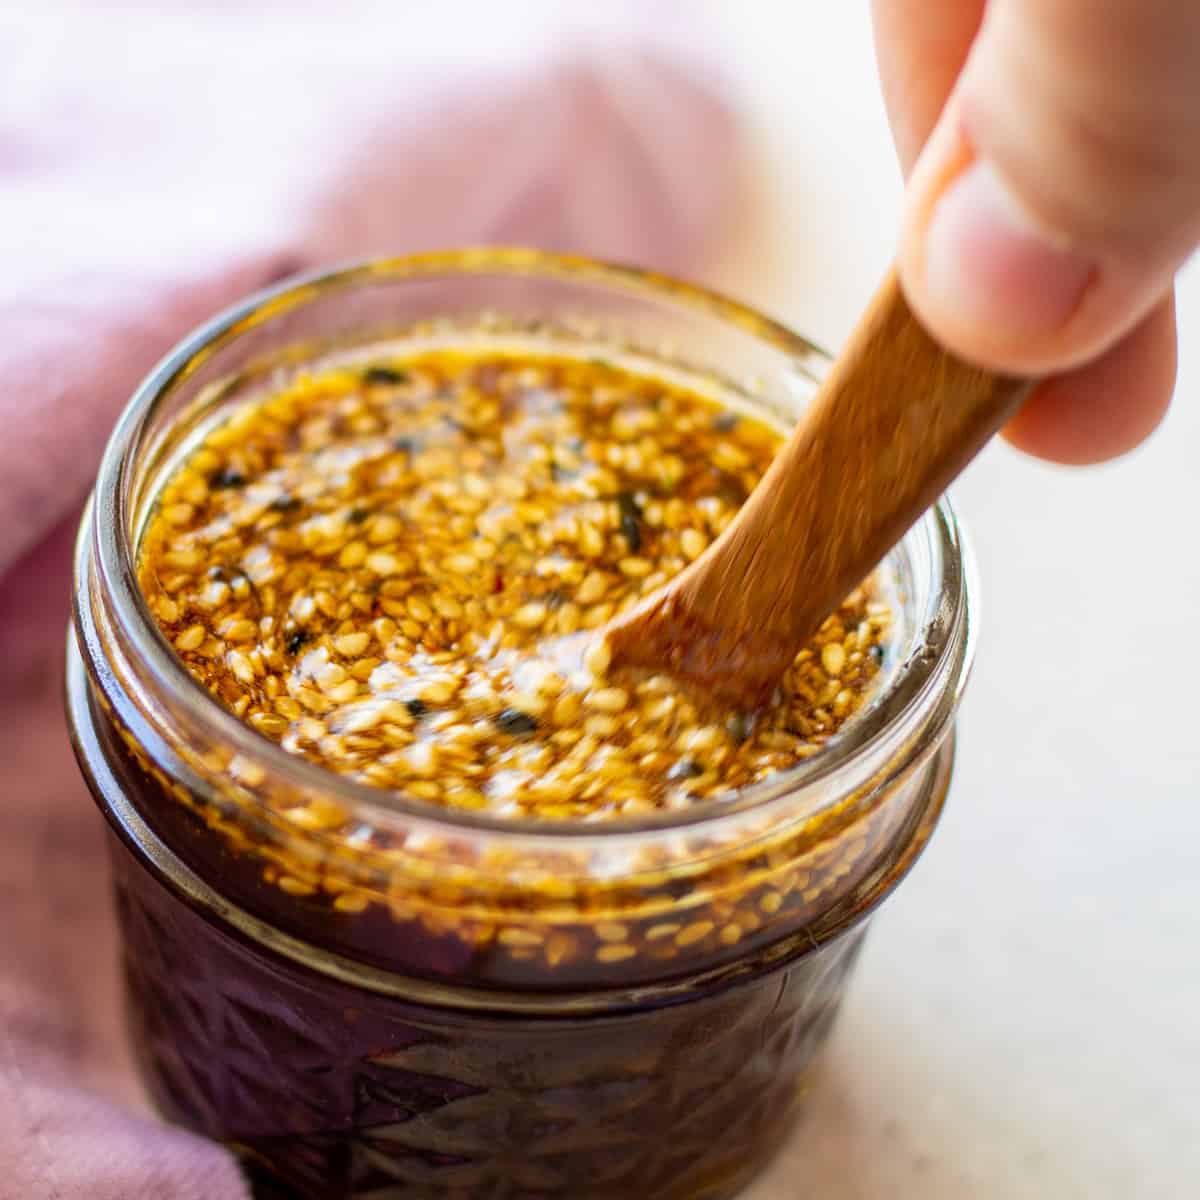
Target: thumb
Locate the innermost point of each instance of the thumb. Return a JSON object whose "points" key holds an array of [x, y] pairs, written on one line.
{"points": [[1060, 190]]}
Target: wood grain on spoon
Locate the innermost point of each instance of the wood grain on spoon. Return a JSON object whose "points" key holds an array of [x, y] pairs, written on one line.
{"points": [[894, 422]]}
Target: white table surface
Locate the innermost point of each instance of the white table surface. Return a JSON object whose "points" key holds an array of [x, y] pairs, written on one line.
{"points": [[1026, 1022]]}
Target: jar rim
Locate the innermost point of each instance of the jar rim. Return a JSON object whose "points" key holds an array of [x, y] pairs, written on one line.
{"points": [[937, 668]]}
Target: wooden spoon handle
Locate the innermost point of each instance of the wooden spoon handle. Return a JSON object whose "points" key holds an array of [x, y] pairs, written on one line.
{"points": [[897, 419]]}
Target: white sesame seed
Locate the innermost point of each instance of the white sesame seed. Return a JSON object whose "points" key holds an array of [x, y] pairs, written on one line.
{"points": [[693, 543], [608, 700], [530, 616], [191, 638], [598, 657]]}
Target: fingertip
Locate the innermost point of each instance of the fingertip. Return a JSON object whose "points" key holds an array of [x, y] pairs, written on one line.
{"points": [[994, 283], [1106, 408], [921, 46]]}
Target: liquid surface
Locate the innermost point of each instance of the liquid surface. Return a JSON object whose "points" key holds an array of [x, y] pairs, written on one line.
{"points": [[395, 571]]}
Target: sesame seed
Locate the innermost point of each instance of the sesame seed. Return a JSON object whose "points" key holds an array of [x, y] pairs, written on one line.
{"points": [[833, 659], [178, 514], [609, 931], [269, 724], [240, 665], [529, 616], [597, 658], [567, 709], [418, 608], [439, 690], [698, 741], [729, 457], [190, 638], [693, 543], [635, 568], [344, 692], [519, 937], [375, 578], [665, 930], [608, 700], [601, 725], [614, 954], [591, 541], [295, 887], [351, 645], [241, 631], [694, 933], [593, 587], [382, 563]]}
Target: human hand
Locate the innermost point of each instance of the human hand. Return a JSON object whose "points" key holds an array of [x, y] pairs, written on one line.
{"points": [[1052, 149]]}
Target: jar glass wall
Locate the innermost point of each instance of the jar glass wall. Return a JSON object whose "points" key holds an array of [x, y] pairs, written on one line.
{"points": [[361, 991]]}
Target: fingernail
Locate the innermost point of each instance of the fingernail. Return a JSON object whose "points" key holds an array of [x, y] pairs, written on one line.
{"points": [[986, 261]]}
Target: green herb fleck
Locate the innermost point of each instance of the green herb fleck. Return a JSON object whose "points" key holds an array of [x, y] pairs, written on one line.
{"points": [[297, 641], [385, 376], [685, 768], [515, 723], [226, 477]]}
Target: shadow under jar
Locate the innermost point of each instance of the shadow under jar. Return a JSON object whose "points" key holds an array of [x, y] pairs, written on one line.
{"points": [[413, 1001]]}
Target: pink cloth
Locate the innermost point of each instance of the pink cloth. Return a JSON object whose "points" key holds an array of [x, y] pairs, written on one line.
{"points": [[158, 160]]}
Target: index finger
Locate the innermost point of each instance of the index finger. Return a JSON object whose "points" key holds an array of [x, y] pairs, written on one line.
{"points": [[921, 46]]}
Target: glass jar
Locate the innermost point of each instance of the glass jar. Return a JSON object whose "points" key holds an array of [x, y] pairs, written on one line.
{"points": [[365, 995]]}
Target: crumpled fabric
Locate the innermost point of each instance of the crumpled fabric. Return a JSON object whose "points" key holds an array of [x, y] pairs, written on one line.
{"points": [[157, 162]]}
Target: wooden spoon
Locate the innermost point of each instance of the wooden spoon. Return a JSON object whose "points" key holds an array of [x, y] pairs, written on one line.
{"points": [[895, 421]]}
